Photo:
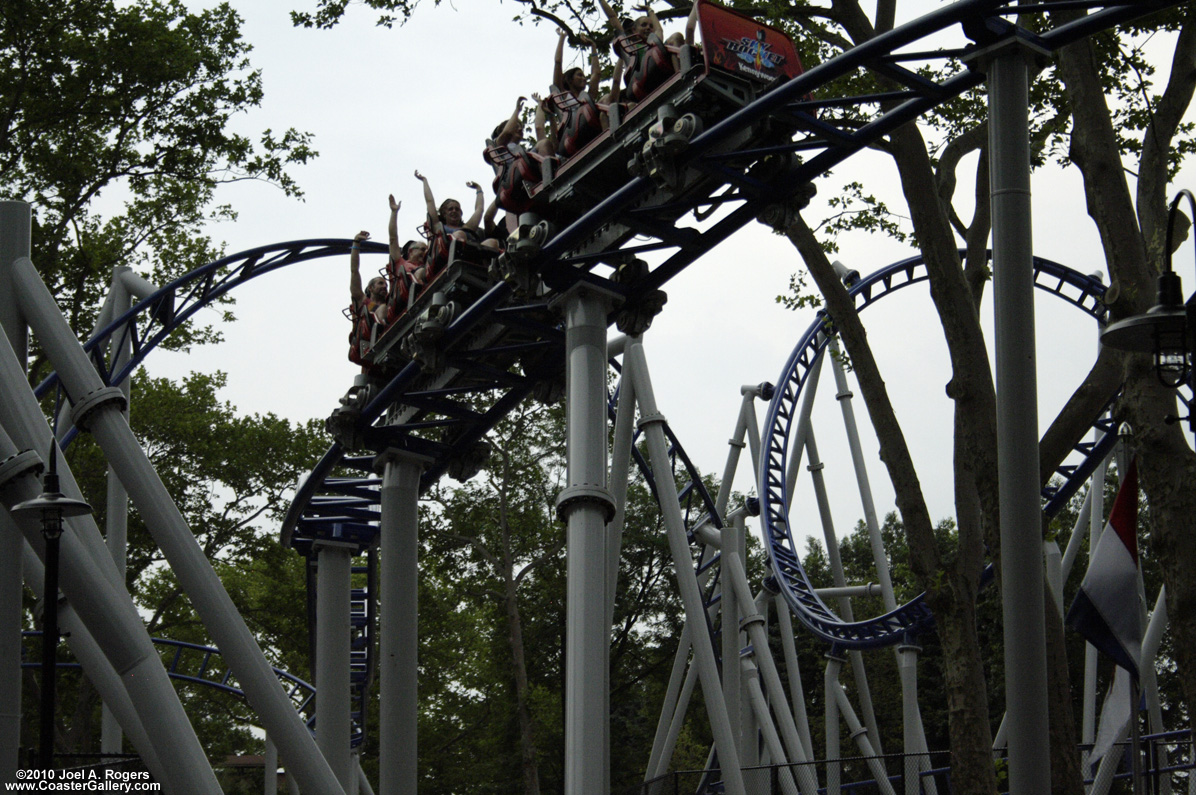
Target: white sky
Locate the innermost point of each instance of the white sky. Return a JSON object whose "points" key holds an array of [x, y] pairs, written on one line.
{"points": [[382, 103]]}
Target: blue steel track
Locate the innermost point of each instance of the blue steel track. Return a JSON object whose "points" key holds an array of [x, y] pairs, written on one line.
{"points": [[894, 627]]}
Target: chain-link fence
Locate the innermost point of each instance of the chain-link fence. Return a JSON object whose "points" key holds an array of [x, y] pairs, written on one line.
{"points": [[1167, 769], [853, 775]]}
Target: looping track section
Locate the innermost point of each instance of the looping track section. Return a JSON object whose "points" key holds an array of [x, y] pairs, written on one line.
{"points": [[1082, 291]]}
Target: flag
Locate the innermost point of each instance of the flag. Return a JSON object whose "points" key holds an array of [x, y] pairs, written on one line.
{"points": [[1105, 611], [1114, 715]]}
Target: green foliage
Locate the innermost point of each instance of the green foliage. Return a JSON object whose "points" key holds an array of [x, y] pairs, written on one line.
{"points": [[884, 682], [855, 210], [127, 101], [329, 12], [492, 604], [229, 475], [799, 295]]}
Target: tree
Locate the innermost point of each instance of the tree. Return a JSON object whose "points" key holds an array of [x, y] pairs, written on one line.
{"points": [[96, 97], [492, 607], [855, 552], [957, 287], [499, 534], [101, 100], [1145, 125]]}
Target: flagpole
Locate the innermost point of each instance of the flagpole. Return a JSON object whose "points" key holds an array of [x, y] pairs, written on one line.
{"points": [[1135, 739]]}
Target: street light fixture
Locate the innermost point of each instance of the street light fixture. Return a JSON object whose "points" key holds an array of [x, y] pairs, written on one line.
{"points": [[1168, 329], [53, 506]]}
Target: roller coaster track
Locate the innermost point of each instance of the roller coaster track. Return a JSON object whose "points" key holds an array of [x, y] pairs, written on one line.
{"points": [[1084, 292], [197, 664], [736, 175], [573, 255], [150, 322]]}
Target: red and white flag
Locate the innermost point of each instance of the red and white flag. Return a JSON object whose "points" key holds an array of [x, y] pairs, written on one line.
{"points": [[1105, 610]]}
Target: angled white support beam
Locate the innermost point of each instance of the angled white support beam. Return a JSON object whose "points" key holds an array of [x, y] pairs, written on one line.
{"points": [[91, 658], [15, 235], [695, 614], [98, 409], [90, 582]]}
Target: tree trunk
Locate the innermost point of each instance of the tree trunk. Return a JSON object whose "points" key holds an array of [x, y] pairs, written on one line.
{"points": [[527, 739], [951, 591], [971, 741], [1166, 463], [1066, 776]]}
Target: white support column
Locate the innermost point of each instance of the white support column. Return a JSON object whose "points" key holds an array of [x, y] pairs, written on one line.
{"points": [[736, 444], [860, 735], [772, 741], [116, 519], [363, 783], [672, 716], [620, 467], [838, 576], [15, 231], [90, 582], [917, 757], [800, 443], [830, 687], [695, 613], [333, 726], [754, 622], [98, 408], [879, 559], [797, 695], [1022, 589], [357, 776], [93, 662], [585, 505], [398, 674], [1151, 640], [729, 609], [270, 768]]}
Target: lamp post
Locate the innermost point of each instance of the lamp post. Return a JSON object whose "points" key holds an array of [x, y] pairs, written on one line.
{"points": [[53, 506], [1168, 329]]}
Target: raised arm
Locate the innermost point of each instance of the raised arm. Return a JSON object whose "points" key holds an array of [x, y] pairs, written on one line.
{"points": [[653, 20], [541, 119], [616, 87], [396, 253], [356, 293], [691, 24], [595, 66], [558, 71], [514, 126], [612, 18], [489, 225], [479, 205], [430, 200]]}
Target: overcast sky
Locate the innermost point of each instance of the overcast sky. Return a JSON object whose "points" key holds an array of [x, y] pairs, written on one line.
{"points": [[382, 103]]}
